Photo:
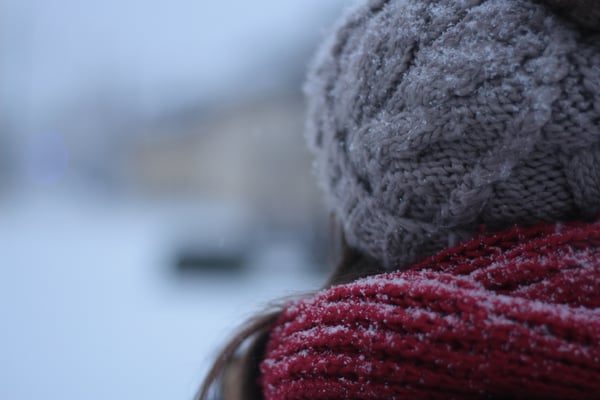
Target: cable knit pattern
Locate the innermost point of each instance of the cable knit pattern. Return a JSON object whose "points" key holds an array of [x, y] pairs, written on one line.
{"points": [[508, 315], [430, 117]]}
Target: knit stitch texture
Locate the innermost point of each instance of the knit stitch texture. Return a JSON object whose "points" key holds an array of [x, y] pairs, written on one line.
{"points": [[428, 118], [508, 315]]}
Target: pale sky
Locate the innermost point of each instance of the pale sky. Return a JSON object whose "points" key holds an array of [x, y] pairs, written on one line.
{"points": [[56, 51]]}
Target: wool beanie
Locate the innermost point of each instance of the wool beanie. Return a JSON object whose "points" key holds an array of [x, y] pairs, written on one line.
{"points": [[430, 118]]}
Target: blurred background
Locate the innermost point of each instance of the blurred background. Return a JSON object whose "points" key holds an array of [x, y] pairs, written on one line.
{"points": [[155, 187]]}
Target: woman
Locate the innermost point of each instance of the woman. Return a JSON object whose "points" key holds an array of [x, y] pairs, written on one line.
{"points": [[458, 144]]}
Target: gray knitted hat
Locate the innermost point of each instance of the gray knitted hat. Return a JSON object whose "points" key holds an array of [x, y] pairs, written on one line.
{"points": [[430, 118]]}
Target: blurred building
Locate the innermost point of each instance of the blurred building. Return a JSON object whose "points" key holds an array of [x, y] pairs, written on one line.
{"points": [[253, 152]]}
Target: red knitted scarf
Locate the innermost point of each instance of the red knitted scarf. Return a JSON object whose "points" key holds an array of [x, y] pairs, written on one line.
{"points": [[509, 315]]}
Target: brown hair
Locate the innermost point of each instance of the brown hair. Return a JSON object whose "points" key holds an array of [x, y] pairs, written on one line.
{"points": [[234, 375]]}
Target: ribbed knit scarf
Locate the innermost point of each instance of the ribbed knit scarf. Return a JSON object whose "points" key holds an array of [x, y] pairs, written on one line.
{"points": [[509, 315]]}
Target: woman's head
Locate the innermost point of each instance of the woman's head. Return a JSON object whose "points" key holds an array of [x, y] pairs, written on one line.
{"points": [[431, 118]]}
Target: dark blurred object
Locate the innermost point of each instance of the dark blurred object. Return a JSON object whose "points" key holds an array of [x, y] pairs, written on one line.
{"points": [[195, 260], [7, 161]]}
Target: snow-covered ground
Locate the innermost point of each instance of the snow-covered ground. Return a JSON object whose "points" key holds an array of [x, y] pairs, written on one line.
{"points": [[90, 309]]}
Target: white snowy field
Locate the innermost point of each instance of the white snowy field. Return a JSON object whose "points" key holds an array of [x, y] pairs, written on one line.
{"points": [[89, 309]]}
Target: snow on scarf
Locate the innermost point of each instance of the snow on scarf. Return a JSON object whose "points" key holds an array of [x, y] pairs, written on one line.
{"points": [[513, 314]]}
